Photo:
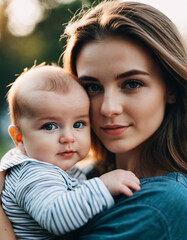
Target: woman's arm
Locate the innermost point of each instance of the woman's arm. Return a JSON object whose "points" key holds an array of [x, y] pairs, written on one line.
{"points": [[6, 229]]}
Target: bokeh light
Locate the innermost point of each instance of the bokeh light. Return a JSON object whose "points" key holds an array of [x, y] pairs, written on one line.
{"points": [[23, 15]]}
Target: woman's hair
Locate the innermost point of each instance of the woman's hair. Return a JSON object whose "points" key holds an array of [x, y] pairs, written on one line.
{"points": [[166, 149]]}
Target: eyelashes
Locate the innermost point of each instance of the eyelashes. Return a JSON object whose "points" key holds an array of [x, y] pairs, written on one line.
{"points": [[49, 126], [79, 124], [131, 85], [92, 88], [53, 126], [95, 88]]}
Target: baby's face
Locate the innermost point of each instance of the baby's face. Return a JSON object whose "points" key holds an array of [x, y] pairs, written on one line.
{"points": [[57, 129]]}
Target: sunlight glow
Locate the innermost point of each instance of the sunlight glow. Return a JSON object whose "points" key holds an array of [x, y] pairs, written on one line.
{"points": [[175, 10], [23, 15]]}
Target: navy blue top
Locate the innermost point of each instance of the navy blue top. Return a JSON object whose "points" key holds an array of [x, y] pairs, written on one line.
{"points": [[157, 212]]}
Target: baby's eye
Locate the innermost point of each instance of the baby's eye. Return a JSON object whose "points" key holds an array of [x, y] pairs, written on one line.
{"points": [[49, 126], [78, 124], [131, 85], [92, 88]]}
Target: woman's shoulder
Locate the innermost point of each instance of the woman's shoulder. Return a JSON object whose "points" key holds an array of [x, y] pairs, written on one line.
{"points": [[172, 180], [157, 211], [165, 197], [164, 193], [169, 177], [172, 185]]}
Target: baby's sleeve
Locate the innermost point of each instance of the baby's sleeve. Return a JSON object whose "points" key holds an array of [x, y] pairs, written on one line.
{"points": [[58, 203]]}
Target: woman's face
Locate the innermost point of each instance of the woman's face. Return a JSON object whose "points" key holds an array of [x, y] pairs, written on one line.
{"points": [[126, 91]]}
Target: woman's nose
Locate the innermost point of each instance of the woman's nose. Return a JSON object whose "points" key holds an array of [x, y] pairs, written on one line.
{"points": [[111, 105], [67, 137]]}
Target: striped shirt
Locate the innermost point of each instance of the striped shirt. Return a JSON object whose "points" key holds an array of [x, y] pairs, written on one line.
{"points": [[43, 201]]}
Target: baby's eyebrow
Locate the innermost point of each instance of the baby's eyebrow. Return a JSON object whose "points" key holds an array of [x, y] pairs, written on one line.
{"points": [[83, 116]]}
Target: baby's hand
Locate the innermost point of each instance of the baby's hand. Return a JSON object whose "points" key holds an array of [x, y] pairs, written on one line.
{"points": [[120, 182]]}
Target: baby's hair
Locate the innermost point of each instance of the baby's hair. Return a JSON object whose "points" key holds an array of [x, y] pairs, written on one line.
{"points": [[57, 80]]}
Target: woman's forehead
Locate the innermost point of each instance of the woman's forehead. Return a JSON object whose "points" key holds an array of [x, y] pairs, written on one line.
{"points": [[114, 54]]}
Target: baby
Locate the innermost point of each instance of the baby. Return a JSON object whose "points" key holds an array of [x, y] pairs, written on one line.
{"points": [[45, 191]]}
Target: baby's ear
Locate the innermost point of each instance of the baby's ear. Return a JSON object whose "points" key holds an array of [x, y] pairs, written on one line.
{"points": [[16, 136]]}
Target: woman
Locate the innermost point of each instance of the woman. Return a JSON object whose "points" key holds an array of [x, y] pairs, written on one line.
{"points": [[131, 61]]}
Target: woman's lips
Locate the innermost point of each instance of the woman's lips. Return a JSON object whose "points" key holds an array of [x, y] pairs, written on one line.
{"points": [[114, 129]]}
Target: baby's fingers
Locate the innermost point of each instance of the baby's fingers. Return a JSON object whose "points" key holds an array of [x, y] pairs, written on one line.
{"points": [[133, 177], [126, 191], [134, 185], [126, 188]]}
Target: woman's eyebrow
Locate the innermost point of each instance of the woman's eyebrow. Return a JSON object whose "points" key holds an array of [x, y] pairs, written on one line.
{"points": [[131, 73], [87, 78], [119, 76]]}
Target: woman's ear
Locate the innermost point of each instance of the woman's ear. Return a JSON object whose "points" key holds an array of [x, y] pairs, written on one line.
{"points": [[16, 136]]}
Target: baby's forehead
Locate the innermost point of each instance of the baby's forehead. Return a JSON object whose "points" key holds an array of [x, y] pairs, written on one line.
{"points": [[45, 75], [46, 78], [40, 103]]}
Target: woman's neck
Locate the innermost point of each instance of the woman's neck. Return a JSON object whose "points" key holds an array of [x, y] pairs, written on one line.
{"points": [[128, 161], [131, 161]]}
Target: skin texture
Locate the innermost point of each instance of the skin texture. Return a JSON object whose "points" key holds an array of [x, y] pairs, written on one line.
{"points": [[127, 95], [56, 134], [53, 129]]}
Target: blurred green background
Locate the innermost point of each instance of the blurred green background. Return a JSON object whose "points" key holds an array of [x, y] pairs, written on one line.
{"points": [[29, 31]]}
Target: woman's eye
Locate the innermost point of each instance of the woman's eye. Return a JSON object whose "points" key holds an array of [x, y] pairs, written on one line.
{"points": [[131, 85], [49, 126], [78, 125], [92, 88]]}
